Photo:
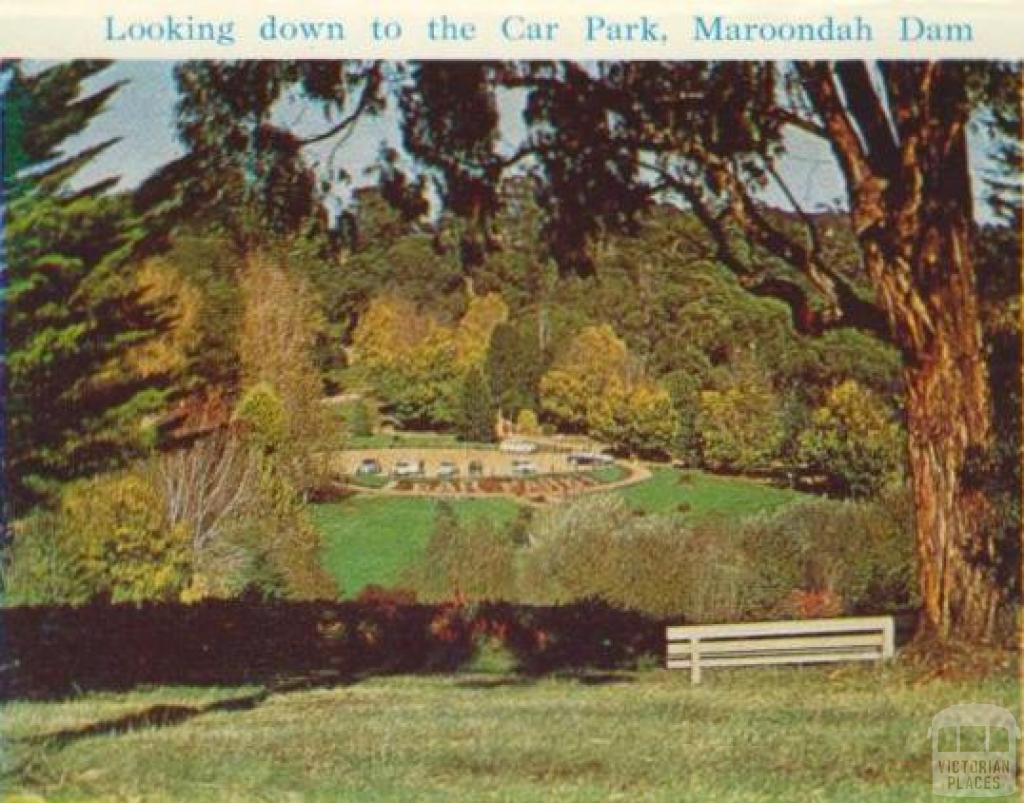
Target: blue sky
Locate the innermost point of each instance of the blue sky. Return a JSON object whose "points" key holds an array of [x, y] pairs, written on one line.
{"points": [[142, 115]]}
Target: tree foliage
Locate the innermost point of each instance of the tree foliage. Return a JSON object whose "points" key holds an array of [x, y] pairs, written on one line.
{"points": [[636, 419], [514, 365], [740, 421], [854, 440], [476, 413], [582, 372], [75, 315]]}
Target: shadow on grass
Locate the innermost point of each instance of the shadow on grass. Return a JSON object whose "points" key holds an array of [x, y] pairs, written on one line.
{"points": [[156, 716]]}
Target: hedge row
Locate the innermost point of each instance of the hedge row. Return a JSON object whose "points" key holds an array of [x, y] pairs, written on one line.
{"points": [[52, 651]]}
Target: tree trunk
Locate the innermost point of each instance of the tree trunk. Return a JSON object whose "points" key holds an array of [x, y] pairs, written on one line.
{"points": [[926, 283], [948, 417]]}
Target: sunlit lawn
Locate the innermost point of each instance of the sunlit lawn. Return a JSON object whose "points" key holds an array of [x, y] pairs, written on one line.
{"points": [[700, 495], [856, 734], [373, 540]]}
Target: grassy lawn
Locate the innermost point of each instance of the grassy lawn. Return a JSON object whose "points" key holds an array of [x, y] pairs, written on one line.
{"points": [[705, 494], [374, 539], [606, 474], [424, 440], [369, 480], [854, 734]]}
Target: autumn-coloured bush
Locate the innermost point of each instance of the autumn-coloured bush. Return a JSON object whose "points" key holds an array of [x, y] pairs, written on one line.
{"points": [[854, 440], [110, 536], [740, 421], [821, 604]]}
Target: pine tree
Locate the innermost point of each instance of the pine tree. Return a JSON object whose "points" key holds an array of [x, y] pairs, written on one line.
{"points": [[476, 408], [71, 305]]}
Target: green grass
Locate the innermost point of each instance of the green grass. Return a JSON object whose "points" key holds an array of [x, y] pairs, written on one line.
{"points": [[704, 494], [607, 474], [370, 480], [424, 440], [373, 540], [854, 734]]}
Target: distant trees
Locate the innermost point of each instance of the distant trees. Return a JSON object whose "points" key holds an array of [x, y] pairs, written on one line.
{"points": [[740, 422], [596, 385], [636, 419], [514, 366], [281, 320], [854, 440], [476, 411], [416, 364], [582, 372]]}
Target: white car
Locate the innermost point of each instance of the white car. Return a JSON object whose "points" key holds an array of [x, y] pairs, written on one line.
{"points": [[407, 468], [589, 459], [518, 447], [447, 470], [523, 467]]}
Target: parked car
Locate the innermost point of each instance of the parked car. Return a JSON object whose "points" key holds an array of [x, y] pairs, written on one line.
{"points": [[523, 467], [368, 467], [476, 468], [589, 459], [447, 470], [518, 447], [408, 468]]}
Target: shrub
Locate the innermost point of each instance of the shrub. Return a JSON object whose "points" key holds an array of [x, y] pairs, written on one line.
{"points": [[361, 419], [860, 552], [36, 570], [853, 439], [741, 422], [526, 422], [475, 561], [595, 548], [262, 412], [114, 533]]}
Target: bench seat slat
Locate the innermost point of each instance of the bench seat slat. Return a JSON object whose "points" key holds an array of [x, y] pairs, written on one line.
{"points": [[809, 642], [766, 660], [845, 625]]}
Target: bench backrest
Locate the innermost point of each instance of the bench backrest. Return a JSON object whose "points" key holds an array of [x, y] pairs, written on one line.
{"points": [[697, 647]]}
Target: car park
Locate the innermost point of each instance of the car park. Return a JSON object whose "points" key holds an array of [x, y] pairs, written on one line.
{"points": [[408, 468], [368, 467], [589, 459], [518, 447]]}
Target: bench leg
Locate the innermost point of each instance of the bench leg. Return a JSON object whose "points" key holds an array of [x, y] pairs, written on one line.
{"points": [[695, 662]]}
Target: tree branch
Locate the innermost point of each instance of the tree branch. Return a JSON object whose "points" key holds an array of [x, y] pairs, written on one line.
{"points": [[366, 98], [865, 107]]}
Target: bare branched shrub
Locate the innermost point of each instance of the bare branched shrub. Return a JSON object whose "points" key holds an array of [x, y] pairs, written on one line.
{"points": [[207, 484]]}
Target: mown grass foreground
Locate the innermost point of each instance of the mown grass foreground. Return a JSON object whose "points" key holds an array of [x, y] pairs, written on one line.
{"points": [[854, 733]]}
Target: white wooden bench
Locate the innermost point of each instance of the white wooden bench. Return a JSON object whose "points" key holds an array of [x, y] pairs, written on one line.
{"points": [[808, 641]]}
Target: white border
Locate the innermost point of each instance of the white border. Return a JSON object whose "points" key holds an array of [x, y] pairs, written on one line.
{"points": [[48, 29]]}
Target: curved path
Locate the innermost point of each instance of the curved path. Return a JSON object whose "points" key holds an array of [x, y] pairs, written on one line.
{"points": [[638, 472]]}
